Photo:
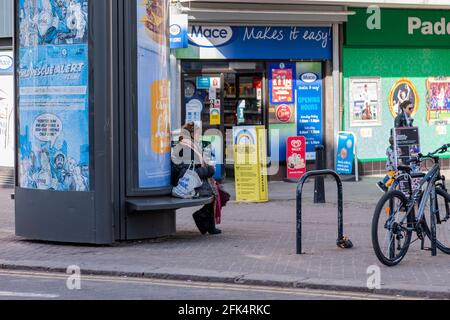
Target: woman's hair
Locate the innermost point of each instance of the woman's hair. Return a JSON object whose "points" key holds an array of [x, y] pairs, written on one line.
{"points": [[190, 128]]}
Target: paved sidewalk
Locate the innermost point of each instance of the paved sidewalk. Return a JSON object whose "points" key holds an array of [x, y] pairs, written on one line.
{"points": [[257, 247]]}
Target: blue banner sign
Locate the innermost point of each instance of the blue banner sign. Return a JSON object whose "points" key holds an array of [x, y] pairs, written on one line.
{"points": [[53, 96], [178, 31], [309, 106], [234, 42], [345, 153]]}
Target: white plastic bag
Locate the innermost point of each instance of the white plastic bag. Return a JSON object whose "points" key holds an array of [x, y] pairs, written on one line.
{"points": [[187, 185]]}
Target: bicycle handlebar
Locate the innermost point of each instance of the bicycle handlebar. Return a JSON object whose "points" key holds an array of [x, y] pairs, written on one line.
{"points": [[432, 155]]}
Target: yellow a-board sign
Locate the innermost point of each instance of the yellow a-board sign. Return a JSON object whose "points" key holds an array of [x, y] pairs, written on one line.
{"points": [[250, 164]]}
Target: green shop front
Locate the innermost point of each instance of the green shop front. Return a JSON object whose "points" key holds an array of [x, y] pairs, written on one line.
{"points": [[391, 56]]}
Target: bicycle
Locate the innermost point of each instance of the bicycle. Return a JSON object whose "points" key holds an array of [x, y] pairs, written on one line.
{"points": [[398, 209], [402, 178]]}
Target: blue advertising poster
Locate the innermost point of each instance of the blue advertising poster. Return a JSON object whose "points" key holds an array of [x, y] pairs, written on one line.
{"points": [[178, 31], [258, 42], [309, 105], [154, 141], [345, 153], [53, 95]]}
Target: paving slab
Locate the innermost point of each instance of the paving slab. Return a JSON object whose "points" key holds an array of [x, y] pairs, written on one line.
{"points": [[257, 246]]}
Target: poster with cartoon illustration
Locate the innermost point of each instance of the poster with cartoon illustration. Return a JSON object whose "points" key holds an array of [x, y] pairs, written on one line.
{"points": [[438, 100], [53, 95]]}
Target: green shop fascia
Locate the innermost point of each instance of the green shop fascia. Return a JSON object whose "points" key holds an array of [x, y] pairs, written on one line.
{"points": [[389, 56]]}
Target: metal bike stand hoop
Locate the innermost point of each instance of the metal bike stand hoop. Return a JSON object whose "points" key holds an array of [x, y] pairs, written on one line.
{"points": [[341, 238]]}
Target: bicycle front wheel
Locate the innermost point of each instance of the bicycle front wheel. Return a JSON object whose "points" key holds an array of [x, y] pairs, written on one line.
{"points": [[443, 220], [391, 228]]}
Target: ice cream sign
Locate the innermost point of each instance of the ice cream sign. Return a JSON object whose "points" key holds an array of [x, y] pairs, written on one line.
{"points": [[296, 157]]}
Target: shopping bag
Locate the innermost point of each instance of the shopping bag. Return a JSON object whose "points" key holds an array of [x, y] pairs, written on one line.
{"points": [[187, 184]]}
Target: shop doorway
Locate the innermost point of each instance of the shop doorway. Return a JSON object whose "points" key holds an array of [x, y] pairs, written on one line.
{"points": [[221, 99]]}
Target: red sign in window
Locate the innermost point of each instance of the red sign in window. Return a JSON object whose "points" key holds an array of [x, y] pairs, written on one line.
{"points": [[296, 157]]}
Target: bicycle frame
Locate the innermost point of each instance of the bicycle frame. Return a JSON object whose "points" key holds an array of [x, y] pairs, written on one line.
{"points": [[430, 192], [416, 189]]}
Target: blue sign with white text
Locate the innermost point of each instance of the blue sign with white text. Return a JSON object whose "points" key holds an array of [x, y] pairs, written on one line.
{"points": [[309, 109], [346, 153], [178, 31], [253, 42], [203, 82]]}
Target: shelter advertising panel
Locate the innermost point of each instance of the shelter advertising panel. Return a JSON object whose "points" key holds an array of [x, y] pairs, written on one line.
{"points": [[153, 108], [53, 95]]}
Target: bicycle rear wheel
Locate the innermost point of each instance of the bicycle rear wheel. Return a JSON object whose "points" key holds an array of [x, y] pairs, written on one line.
{"points": [[443, 220], [391, 228]]}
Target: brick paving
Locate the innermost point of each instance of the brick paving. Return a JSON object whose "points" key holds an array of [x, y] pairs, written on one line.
{"points": [[257, 245]]}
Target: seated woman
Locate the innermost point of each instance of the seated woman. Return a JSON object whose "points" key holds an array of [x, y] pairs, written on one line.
{"points": [[190, 150]]}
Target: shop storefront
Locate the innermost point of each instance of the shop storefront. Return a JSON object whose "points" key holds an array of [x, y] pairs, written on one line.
{"points": [[274, 76], [389, 57]]}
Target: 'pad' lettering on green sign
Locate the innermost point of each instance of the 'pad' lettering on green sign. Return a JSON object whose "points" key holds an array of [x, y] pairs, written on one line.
{"points": [[399, 27]]}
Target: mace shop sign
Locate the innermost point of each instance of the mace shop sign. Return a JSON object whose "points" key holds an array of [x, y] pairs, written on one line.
{"points": [[399, 27], [6, 62], [253, 42]]}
